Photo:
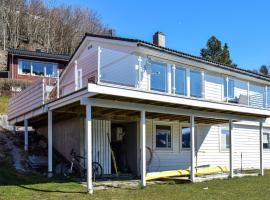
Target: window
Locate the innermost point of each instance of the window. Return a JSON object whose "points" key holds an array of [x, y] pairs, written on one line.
{"points": [[224, 138], [180, 81], [266, 140], [37, 68], [24, 67], [195, 83], [158, 76], [163, 136], [230, 88], [51, 69], [185, 131]]}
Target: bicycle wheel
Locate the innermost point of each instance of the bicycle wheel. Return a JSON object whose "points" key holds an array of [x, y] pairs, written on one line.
{"points": [[97, 170]]}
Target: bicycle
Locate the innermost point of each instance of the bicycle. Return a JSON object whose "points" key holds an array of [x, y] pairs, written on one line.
{"points": [[76, 168]]}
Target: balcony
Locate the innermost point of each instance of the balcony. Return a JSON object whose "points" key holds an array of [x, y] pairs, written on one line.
{"points": [[159, 76]]}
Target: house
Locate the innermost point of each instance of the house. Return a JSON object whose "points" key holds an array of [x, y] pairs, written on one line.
{"points": [[33, 65], [160, 109]]}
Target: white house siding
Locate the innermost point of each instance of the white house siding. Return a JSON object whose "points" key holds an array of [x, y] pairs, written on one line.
{"points": [[213, 87], [246, 141], [256, 95]]}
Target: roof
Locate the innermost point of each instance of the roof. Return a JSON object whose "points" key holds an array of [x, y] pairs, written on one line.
{"points": [[39, 54], [182, 54]]}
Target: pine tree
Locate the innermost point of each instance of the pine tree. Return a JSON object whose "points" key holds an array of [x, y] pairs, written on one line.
{"points": [[225, 56], [215, 52], [264, 70]]}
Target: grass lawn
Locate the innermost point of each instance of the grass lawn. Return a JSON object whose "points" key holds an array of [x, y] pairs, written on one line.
{"points": [[3, 104], [29, 186], [20, 186]]}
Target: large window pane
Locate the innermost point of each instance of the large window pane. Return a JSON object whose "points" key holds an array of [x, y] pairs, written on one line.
{"points": [[180, 81], [163, 136], [231, 88], [195, 84], [225, 87], [186, 137], [24, 67], [158, 76], [38, 68], [51, 69], [225, 139]]}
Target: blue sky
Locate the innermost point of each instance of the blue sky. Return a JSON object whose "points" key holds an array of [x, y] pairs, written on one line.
{"points": [[244, 25]]}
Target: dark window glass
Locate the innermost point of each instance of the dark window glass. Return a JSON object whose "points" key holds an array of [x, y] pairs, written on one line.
{"points": [[195, 84], [180, 81], [163, 136], [158, 76], [186, 137]]}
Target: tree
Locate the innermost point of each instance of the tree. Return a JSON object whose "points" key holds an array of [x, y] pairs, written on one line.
{"points": [[32, 24], [264, 70], [215, 52]]}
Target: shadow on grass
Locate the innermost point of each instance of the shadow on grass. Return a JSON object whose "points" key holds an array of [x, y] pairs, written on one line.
{"points": [[36, 182], [54, 191]]}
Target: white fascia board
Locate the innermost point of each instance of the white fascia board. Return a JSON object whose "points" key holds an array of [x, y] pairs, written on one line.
{"points": [[186, 62], [164, 110], [196, 103], [111, 41], [28, 115], [69, 99]]}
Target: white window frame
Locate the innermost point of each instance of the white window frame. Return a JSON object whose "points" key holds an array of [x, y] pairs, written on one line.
{"points": [[162, 149], [31, 64], [220, 138]]}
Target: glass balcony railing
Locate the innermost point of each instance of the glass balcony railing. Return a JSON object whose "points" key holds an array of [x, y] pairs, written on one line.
{"points": [[143, 73]]}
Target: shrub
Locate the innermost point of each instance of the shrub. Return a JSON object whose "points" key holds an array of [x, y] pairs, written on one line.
{"points": [[9, 84]]}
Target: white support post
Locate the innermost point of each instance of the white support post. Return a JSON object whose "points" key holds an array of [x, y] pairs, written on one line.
{"points": [[203, 85], [261, 150], [99, 65], [192, 141], [58, 84], [143, 148], [248, 92], [50, 171], [173, 79], [265, 96], [139, 70], [169, 79], [25, 134], [227, 89], [188, 81], [89, 148], [76, 74], [231, 147]]}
